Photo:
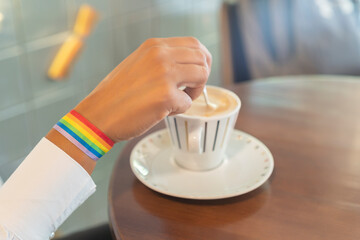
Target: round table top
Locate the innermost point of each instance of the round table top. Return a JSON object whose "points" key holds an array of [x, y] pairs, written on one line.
{"points": [[312, 127]]}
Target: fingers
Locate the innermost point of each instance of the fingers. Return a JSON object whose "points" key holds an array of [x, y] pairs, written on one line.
{"points": [[187, 42], [193, 77], [187, 60], [181, 102], [190, 75], [194, 92], [185, 55]]}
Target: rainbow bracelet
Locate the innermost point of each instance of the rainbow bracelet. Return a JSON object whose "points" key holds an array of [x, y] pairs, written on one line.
{"points": [[84, 135]]}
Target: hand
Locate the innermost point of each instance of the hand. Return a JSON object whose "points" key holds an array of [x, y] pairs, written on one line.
{"points": [[144, 88]]}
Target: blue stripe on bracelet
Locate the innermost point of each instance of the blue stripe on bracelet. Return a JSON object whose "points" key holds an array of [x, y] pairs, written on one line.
{"points": [[79, 139]]}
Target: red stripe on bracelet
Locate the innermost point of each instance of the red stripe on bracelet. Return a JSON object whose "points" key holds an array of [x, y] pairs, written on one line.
{"points": [[92, 127]]}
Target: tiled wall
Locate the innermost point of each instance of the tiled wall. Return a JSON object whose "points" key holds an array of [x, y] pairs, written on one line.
{"points": [[31, 32]]}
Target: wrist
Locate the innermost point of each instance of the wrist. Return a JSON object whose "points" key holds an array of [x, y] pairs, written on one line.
{"points": [[94, 112], [69, 148], [78, 137]]}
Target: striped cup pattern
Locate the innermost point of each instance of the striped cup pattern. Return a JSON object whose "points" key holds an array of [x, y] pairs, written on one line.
{"points": [[211, 139], [214, 134]]}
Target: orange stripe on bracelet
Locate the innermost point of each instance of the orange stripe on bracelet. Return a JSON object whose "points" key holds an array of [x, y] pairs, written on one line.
{"points": [[86, 128], [92, 127], [83, 134]]}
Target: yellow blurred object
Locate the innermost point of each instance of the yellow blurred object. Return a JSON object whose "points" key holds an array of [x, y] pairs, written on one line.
{"points": [[85, 20], [64, 57]]}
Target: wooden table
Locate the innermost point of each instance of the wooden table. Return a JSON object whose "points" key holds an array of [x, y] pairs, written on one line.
{"points": [[312, 127]]}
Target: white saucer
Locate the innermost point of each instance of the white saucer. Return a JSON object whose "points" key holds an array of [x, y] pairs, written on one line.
{"points": [[248, 165]]}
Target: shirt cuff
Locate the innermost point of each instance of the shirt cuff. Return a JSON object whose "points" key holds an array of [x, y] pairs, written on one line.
{"points": [[44, 190]]}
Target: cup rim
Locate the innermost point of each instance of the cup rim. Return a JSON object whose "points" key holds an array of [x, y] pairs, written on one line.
{"points": [[218, 116]]}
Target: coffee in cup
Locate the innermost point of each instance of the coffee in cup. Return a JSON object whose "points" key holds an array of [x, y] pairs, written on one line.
{"points": [[223, 103]]}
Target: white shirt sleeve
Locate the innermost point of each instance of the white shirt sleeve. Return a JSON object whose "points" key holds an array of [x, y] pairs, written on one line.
{"points": [[43, 191]]}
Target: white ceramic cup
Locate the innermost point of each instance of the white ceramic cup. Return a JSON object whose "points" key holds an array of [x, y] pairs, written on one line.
{"points": [[199, 142]]}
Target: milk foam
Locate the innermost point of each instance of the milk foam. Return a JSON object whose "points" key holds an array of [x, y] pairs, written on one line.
{"points": [[224, 102]]}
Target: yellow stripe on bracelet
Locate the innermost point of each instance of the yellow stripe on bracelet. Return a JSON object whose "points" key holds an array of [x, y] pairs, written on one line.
{"points": [[86, 128], [88, 138], [85, 131]]}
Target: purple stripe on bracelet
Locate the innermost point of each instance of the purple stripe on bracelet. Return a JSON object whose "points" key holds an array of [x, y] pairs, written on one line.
{"points": [[75, 142]]}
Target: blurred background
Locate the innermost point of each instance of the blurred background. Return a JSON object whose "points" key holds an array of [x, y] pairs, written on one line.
{"points": [[31, 33], [248, 39]]}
